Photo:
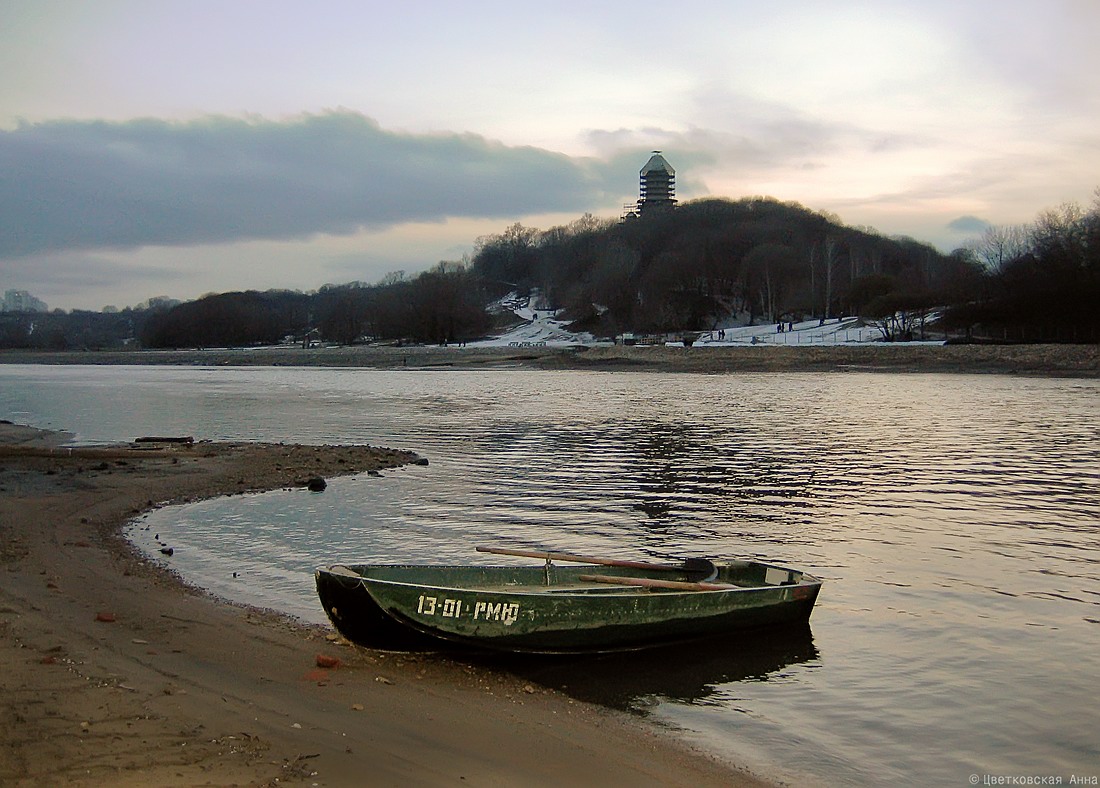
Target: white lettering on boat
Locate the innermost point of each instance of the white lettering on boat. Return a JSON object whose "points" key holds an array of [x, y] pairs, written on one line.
{"points": [[504, 612], [452, 608], [497, 611]]}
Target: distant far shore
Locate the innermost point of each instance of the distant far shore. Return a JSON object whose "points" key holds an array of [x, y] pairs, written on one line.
{"points": [[1041, 360]]}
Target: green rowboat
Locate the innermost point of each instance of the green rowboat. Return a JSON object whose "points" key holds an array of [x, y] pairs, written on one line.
{"points": [[607, 605]]}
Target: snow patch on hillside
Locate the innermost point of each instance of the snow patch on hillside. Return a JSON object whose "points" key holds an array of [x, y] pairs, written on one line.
{"points": [[541, 327]]}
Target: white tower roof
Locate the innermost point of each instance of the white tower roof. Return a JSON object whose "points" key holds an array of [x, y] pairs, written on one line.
{"points": [[657, 163]]}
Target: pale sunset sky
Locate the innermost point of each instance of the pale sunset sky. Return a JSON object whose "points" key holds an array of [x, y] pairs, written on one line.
{"points": [[179, 147]]}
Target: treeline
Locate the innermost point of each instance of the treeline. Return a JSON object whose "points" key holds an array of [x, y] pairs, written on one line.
{"points": [[441, 305], [447, 303], [1042, 281], [706, 264], [75, 330], [444, 304], [229, 320], [80, 329]]}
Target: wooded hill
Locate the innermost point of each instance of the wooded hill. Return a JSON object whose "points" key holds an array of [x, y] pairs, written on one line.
{"points": [[706, 264], [710, 263]]}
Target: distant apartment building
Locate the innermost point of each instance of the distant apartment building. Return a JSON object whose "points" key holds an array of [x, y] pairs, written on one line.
{"points": [[22, 301]]}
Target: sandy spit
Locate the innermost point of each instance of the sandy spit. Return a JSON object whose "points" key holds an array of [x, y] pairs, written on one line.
{"points": [[1059, 360], [113, 672]]}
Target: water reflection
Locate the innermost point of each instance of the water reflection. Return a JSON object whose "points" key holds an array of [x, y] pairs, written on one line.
{"points": [[690, 672]]}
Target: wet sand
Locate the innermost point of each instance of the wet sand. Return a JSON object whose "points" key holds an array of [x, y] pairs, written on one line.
{"points": [[1060, 360], [113, 672]]}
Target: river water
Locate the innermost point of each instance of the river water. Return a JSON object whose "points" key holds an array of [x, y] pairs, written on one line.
{"points": [[955, 519]]}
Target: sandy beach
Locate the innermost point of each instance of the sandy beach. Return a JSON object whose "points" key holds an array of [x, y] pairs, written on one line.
{"points": [[1053, 360], [113, 672]]}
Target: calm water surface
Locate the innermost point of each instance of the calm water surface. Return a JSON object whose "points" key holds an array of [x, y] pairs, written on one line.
{"points": [[956, 520]]}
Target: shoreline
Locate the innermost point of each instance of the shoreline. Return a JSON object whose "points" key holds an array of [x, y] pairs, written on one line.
{"points": [[114, 671], [1043, 360]]}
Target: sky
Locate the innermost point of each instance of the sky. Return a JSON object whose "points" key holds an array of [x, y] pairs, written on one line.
{"points": [[181, 147]]}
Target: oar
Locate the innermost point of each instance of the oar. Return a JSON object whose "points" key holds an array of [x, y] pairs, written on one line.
{"points": [[646, 582], [689, 565]]}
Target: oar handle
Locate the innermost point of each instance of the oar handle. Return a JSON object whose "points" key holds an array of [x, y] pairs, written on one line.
{"points": [[646, 582], [581, 559]]}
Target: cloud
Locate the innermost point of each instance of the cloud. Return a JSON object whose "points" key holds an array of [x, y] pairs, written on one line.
{"points": [[970, 225], [114, 185]]}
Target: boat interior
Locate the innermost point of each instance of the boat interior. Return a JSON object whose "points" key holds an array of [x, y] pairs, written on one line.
{"points": [[555, 577]]}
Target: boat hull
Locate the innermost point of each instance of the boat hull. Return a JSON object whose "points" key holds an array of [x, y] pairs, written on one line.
{"points": [[507, 609]]}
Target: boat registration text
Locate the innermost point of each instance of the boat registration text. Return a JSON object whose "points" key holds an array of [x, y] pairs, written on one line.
{"points": [[504, 612]]}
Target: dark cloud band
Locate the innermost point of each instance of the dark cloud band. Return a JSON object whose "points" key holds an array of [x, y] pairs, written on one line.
{"points": [[92, 184]]}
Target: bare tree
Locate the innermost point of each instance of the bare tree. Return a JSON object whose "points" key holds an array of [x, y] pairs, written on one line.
{"points": [[1059, 233], [896, 316], [1000, 245], [831, 258], [768, 270]]}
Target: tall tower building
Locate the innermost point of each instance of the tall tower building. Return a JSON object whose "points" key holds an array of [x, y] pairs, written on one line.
{"points": [[657, 185]]}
